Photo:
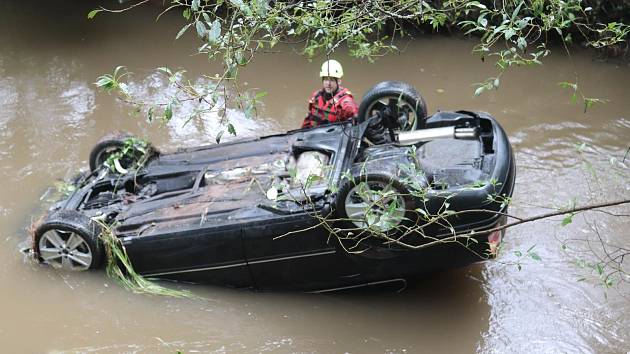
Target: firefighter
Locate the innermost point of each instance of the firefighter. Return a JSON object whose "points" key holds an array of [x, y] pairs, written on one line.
{"points": [[333, 102]]}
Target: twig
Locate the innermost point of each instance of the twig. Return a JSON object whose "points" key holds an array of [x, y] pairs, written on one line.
{"points": [[561, 212], [125, 9], [466, 233]]}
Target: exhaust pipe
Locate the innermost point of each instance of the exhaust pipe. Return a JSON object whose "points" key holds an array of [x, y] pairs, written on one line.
{"points": [[466, 133], [416, 136]]}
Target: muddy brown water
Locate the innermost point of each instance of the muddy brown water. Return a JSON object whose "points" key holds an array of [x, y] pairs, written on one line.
{"points": [[51, 115]]}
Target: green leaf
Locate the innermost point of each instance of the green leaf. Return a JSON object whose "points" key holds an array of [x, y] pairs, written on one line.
{"points": [[509, 33], [479, 90], [311, 179], [105, 82], [568, 38], [567, 220], [231, 129], [292, 172], [215, 31], [242, 6], [201, 29], [518, 253], [93, 13], [168, 112], [182, 31], [522, 23], [565, 84], [261, 7], [249, 110], [261, 94], [589, 102], [498, 29], [195, 5], [534, 256], [165, 70], [600, 268], [187, 13], [476, 4], [240, 58], [517, 10]]}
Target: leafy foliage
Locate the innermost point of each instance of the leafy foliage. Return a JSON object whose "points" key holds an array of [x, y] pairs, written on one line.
{"points": [[512, 33], [131, 155]]}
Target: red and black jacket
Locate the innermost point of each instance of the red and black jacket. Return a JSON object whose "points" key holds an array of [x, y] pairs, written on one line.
{"points": [[338, 108]]}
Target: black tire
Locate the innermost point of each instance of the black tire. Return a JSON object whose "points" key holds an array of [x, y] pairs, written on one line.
{"points": [[407, 98], [55, 241], [351, 192], [111, 144]]}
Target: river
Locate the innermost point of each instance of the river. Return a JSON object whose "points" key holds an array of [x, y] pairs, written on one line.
{"points": [[51, 114]]}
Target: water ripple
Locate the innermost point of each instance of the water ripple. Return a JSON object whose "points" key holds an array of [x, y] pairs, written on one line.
{"points": [[205, 127], [620, 123]]}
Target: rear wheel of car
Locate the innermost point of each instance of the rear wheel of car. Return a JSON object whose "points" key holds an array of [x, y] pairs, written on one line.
{"points": [[69, 240], [412, 109], [114, 144], [375, 203]]}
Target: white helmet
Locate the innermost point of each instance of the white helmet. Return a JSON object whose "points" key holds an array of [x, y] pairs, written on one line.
{"points": [[331, 68]]}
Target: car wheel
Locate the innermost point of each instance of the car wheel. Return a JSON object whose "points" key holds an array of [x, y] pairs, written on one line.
{"points": [[115, 144], [376, 203], [69, 240], [411, 106]]}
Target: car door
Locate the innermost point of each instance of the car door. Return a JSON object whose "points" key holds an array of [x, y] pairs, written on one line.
{"points": [[211, 255], [305, 259]]}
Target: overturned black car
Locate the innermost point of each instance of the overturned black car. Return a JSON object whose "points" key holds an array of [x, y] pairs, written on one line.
{"points": [[377, 201]]}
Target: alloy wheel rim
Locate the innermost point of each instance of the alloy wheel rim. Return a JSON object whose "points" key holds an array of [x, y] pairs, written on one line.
{"points": [[380, 104], [367, 202], [65, 250]]}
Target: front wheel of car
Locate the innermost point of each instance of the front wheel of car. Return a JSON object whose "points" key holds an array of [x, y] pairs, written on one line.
{"points": [[69, 240], [121, 150], [375, 203], [411, 107]]}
